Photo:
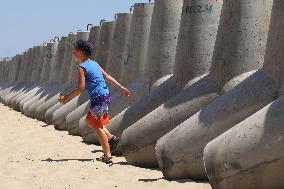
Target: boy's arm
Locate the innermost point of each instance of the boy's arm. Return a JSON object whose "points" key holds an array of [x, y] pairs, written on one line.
{"points": [[77, 90], [114, 83]]}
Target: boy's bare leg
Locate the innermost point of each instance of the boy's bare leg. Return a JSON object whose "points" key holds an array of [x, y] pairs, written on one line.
{"points": [[109, 136], [103, 140]]}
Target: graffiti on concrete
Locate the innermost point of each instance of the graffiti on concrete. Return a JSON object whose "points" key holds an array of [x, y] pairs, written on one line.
{"points": [[197, 8], [127, 57]]}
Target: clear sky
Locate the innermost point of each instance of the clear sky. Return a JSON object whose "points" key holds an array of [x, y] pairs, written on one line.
{"points": [[25, 23]]}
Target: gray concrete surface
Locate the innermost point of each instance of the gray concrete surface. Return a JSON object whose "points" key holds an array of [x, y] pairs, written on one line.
{"points": [[193, 59], [158, 66], [246, 37], [250, 155]]}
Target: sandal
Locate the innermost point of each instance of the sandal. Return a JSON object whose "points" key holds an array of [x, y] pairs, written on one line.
{"points": [[105, 159], [113, 142]]}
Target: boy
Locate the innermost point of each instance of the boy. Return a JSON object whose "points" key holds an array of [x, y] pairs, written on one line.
{"points": [[91, 75]]}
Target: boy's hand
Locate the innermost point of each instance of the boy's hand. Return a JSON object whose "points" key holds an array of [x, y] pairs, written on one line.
{"points": [[124, 91], [62, 99]]}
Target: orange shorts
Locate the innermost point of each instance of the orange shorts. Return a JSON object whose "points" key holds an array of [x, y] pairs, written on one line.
{"points": [[97, 122]]}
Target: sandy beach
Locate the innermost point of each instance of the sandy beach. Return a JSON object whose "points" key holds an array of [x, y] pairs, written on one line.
{"points": [[35, 155]]}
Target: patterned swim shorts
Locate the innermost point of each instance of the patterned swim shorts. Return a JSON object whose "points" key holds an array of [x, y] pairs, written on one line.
{"points": [[98, 115]]}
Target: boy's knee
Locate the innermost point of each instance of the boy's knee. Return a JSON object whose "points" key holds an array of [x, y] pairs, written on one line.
{"points": [[99, 129]]}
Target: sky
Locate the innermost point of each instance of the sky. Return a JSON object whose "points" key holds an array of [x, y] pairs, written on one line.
{"points": [[26, 23]]}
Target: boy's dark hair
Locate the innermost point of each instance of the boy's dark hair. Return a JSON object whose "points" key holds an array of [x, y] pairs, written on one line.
{"points": [[84, 45]]}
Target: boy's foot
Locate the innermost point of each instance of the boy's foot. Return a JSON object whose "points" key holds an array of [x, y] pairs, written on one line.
{"points": [[113, 142], [105, 159]]}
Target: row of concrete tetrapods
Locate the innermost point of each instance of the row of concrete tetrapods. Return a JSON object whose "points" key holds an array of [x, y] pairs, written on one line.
{"points": [[206, 83]]}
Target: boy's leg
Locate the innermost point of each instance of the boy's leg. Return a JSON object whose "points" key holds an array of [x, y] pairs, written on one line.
{"points": [[104, 143], [112, 140], [109, 136], [103, 140]]}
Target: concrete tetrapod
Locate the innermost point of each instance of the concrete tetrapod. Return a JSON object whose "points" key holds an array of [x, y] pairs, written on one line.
{"points": [[68, 86], [41, 49], [10, 85], [105, 41], [193, 59], [6, 99], [18, 88], [3, 73], [113, 66], [26, 104], [180, 152], [32, 77], [160, 55], [157, 84], [19, 81], [133, 65], [5, 82], [14, 69], [61, 79], [18, 67], [6, 85], [41, 106], [36, 72], [137, 43], [23, 61], [10, 72], [19, 77], [23, 83], [36, 88], [27, 94], [94, 38], [250, 155], [193, 98], [4, 78], [11, 69], [118, 49]]}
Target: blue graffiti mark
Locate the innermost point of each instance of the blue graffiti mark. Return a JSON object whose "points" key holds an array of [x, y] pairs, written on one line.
{"points": [[127, 57]]}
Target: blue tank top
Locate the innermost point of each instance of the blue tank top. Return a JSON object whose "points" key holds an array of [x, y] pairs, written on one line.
{"points": [[94, 81]]}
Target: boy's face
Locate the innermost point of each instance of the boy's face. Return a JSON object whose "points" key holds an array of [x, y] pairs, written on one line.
{"points": [[77, 54]]}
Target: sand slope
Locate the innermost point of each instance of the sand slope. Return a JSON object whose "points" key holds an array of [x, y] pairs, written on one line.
{"points": [[35, 155]]}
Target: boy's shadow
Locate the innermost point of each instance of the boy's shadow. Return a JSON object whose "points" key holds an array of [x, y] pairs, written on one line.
{"points": [[62, 160], [121, 163], [96, 151], [177, 180], [150, 180]]}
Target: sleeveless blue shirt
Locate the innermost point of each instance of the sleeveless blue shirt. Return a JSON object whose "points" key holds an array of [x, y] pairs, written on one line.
{"points": [[94, 81]]}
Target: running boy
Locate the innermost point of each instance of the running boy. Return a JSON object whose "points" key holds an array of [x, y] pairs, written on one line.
{"points": [[91, 76]]}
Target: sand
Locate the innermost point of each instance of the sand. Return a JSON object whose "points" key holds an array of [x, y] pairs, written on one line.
{"points": [[35, 155]]}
